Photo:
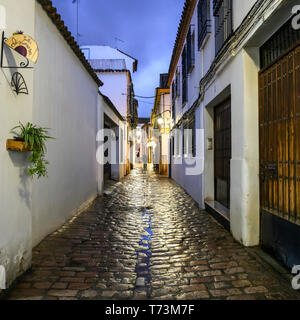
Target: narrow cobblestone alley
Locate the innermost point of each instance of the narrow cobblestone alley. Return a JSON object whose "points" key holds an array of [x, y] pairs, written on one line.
{"points": [[146, 240]]}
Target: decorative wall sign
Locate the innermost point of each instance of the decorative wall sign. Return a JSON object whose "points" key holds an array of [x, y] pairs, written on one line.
{"points": [[18, 83], [24, 45]]}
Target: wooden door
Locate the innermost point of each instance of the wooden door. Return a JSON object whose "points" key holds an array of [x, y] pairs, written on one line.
{"points": [[279, 128], [222, 154], [107, 164]]}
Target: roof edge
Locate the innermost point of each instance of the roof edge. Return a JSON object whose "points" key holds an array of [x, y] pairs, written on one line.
{"points": [[135, 63], [186, 17], [60, 25]]}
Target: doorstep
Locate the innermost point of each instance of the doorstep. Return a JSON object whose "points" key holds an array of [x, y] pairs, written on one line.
{"points": [[219, 212]]}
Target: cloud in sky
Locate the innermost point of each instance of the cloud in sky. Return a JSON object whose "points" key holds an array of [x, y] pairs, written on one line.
{"points": [[147, 30]]}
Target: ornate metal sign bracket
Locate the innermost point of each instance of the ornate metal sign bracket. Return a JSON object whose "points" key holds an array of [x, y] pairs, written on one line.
{"points": [[18, 83], [23, 65]]}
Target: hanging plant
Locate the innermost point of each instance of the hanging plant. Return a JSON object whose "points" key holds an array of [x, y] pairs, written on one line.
{"points": [[34, 138]]}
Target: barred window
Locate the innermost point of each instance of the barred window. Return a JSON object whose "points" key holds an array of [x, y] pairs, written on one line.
{"points": [[184, 76], [191, 48], [173, 146], [184, 137], [281, 41], [189, 136], [204, 22], [223, 22], [177, 142], [121, 145], [192, 126], [177, 82], [173, 99]]}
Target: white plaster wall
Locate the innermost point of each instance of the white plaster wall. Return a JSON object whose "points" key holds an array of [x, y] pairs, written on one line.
{"points": [[244, 202], [163, 108], [193, 77], [118, 169], [244, 100], [100, 148], [244, 193], [240, 10], [15, 186], [191, 182], [144, 148], [65, 100], [115, 87]]}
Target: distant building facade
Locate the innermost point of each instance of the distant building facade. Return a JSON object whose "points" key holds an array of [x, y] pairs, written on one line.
{"points": [[115, 68], [161, 122]]}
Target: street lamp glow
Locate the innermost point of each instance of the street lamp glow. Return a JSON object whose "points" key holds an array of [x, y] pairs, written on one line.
{"points": [[160, 121]]}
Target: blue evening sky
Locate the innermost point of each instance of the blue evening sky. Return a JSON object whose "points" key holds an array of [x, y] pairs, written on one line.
{"points": [[147, 30]]}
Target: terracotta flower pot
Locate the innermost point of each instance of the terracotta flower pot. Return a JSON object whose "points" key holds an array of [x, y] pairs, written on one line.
{"points": [[17, 144]]}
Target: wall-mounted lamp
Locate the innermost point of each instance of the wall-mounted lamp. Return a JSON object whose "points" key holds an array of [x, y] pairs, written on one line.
{"points": [[160, 121]]}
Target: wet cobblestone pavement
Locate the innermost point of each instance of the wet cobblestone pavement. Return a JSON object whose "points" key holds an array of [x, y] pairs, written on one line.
{"points": [[146, 239]]}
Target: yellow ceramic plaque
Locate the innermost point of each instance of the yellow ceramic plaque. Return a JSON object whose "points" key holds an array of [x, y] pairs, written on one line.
{"points": [[24, 45]]}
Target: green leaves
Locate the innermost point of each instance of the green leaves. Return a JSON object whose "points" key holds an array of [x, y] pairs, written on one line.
{"points": [[35, 138]]}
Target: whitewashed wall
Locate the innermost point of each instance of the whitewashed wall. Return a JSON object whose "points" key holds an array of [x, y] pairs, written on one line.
{"points": [[244, 204], [15, 186], [115, 87], [65, 100], [64, 97], [118, 169], [193, 184], [244, 189]]}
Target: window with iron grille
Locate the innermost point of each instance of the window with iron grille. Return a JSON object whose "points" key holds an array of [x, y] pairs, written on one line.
{"points": [[184, 76], [173, 99], [223, 22], [217, 4], [184, 137], [177, 142], [189, 136], [177, 83], [190, 41], [280, 42], [204, 21], [193, 142], [173, 147], [121, 145]]}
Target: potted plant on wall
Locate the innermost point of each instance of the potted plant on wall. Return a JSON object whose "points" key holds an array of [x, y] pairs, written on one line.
{"points": [[31, 138]]}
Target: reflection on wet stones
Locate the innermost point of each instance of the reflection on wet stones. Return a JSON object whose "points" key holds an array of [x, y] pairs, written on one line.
{"points": [[146, 239]]}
